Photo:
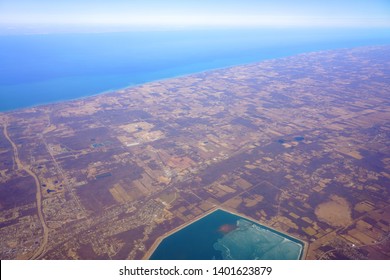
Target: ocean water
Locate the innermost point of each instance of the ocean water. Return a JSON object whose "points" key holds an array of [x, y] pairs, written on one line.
{"points": [[40, 69], [222, 235]]}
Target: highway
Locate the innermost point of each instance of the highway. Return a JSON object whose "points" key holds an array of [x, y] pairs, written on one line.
{"points": [[20, 166]]}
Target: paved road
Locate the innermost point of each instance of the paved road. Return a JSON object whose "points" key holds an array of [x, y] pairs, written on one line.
{"points": [[20, 166]]}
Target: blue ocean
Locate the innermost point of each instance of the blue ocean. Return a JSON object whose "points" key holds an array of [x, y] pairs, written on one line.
{"points": [[40, 69]]}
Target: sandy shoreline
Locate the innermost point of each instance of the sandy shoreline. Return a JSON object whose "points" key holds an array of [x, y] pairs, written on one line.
{"points": [[158, 241]]}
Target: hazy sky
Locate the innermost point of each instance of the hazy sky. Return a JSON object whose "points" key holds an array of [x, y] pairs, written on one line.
{"points": [[19, 14]]}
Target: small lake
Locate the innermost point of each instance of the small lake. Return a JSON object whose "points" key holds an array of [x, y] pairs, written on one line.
{"points": [[225, 236]]}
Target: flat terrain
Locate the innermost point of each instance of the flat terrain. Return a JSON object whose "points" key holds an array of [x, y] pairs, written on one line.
{"points": [[300, 144]]}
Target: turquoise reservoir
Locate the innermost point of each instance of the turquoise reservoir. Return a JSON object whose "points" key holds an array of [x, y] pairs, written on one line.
{"points": [[222, 235]]}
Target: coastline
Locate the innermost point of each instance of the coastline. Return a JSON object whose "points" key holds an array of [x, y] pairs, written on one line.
{"points": [[178, 76], [158, 241], [135, 85]]}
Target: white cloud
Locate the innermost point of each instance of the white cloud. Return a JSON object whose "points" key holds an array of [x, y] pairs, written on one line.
{"points": [[195, 20]]}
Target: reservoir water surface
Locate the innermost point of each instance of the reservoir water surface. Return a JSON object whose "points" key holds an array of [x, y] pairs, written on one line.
{"points": [[223, 235]]}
